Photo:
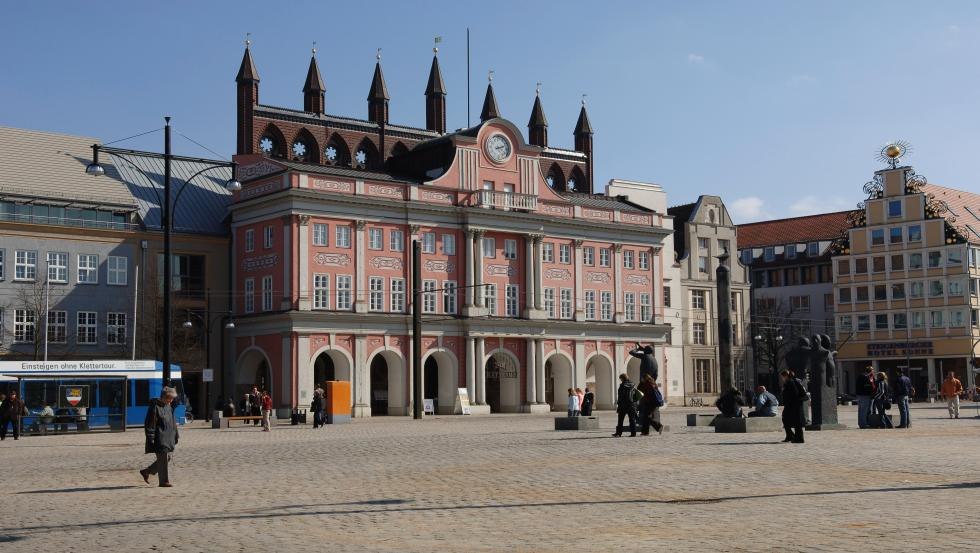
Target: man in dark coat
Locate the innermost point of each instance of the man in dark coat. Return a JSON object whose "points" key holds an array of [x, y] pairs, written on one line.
{"points": [[648, 361], [625, 407], [161, 436], [794, 394], [11, 410]]}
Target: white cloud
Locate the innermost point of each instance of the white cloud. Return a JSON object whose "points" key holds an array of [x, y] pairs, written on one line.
{"points": [[748, 209], [802, 79], [810, 205], [695, 58]]}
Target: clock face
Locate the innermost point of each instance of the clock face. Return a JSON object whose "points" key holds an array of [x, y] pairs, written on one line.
{"points": [[498, 148]]}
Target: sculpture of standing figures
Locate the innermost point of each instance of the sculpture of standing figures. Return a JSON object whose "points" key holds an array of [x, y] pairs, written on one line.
{"points": [[823, 387], [648, 361]]}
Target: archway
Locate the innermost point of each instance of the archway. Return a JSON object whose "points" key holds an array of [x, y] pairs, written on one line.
{"points": [[272, 143], [252, 369], [440, 381], [558, 379], [502, 382], [387, 384], [633, 370], [600, 378], [330, 364]]}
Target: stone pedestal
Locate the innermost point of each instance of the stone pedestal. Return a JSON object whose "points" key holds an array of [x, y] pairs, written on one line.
{"points": [[535, 408], [696, 419], [479, 409], [818, 427], [576, 423], [735, 425]]}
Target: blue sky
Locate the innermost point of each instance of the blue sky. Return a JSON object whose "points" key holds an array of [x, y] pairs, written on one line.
{"points": [[779, 107]]}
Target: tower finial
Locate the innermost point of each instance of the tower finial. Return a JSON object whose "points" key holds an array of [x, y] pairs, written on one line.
{"points": [[583, 99], [537, 89], [248, 40], [435, 44], [490, 76], [314, 47], [378, 56]]}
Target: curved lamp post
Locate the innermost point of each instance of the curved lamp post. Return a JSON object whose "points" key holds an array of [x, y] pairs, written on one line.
{"points": [[167, 207]]}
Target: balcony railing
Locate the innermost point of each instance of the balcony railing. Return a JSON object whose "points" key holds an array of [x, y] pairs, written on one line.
{"points": [[507, 200]]}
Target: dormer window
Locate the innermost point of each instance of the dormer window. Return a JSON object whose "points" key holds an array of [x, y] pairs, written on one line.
{"points": [[790, 250], [769, 254], [813, 249]]}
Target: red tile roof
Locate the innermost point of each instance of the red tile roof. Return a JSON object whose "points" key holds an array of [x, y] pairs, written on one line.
{"points": [[795, 230], [965, 206]]}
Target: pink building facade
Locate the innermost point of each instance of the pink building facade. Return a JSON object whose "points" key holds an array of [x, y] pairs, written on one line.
{"points": [[528, 289]]}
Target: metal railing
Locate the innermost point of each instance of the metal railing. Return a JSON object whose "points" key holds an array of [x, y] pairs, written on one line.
{"points": [[64, 221], [506, 200]]}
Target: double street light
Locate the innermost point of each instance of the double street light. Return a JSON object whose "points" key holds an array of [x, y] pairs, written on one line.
{"points": [[208, 318], [167, 208]]}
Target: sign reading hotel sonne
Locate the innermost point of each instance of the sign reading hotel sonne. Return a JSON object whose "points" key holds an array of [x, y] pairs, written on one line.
{"points": [[899, 349]]}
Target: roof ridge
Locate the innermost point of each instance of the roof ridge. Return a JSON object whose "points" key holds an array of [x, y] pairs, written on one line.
{"points": [[769, 221]]}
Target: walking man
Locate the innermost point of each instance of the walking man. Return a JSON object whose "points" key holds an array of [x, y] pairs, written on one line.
{"points": [[625, 406], [865, 391], [903, 391], [161, 436], [11, 410], [951, 390], [266, 412]]}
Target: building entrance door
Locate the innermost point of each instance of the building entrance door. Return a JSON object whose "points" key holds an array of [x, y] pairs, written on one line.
{"points": [[379, 386]]}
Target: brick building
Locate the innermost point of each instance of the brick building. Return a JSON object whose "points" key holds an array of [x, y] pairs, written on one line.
{"points": [[533, 284]]}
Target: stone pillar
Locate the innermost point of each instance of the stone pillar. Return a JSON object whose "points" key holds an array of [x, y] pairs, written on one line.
{"points": [[539, 369], [538, 274], [471, 369], [468, 271], [361, 385], [579, 285], [304, 370], [481, 373], [303, 264], [723, 300], [618, 315], [578, 371], [360, 279], [530, 280], [531, 370], [478, 294]]}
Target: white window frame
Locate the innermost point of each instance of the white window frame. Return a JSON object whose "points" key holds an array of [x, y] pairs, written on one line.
{"points": [[549, 302], [646, 307], [267, 293], [846, 323], [606, 308], [249, 288], [342, 236], [489, 247], [511, 301], [548, 252], [643, 261], [588, 256], [376, 294], [86, 269], [268, 235], [428, 296], [249, 240], [25, 326], [87, 328], [605, 257], [590, 305], [628, 256], [345, 294], [58, 264], [321, 234], [490, 298], [699, 299], [57, 327], [321, 291], [376, 238], [565, 254], [566, 307], [699, 334], [397, 295], [25, 266], [901, 208], [428, 242], [629, 305], [115, 329], [117, 270], [449, 295], [510, 249], [769, 253], [448, 244], [396, 241]]}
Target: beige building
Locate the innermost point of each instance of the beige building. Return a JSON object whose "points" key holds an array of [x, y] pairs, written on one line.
{"points": [[702, 231], [906, 281]]}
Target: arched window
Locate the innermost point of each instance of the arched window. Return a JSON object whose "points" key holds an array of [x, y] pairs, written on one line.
{"points": [[336, 152], [556, 178], [272, 142], [366, 156], [398, 149], [576, 181], [304, 147]]}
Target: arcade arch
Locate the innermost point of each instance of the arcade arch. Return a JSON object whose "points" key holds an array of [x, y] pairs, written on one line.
{"points": [[557, 380], [503, 383], [440, 380]]}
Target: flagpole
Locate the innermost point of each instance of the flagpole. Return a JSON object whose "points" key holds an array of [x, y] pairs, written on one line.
{"points": [[47, 313]]}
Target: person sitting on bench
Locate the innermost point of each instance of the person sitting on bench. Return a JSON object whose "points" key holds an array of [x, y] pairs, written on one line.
{"points": [[766, 404]]}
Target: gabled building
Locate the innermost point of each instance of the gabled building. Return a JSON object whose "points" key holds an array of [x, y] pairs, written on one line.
{"points": [[531, 284]]}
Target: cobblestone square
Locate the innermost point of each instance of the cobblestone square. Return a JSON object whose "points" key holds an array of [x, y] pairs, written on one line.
{"points": [[500, 483]]}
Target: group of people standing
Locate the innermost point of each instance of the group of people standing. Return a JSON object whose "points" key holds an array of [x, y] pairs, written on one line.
{"points": [[580, 403], [256, 404], [875, 397], [641, 401]]}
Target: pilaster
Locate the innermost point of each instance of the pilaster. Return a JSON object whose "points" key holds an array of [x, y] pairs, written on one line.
{"points": [[360, 279], [303, 263]]}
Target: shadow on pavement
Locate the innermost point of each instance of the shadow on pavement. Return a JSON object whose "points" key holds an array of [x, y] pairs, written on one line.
{"points": [[92, 489]]}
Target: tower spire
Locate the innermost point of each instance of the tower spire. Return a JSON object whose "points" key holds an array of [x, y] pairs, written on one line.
{"points": [[313, 89], [583, 141], [247, 97], [247, 71], [378, 95], [490, 109], [435, 95], [537, 126]]}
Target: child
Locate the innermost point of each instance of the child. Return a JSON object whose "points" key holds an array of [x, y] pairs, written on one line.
{"points": [[573, 410]]}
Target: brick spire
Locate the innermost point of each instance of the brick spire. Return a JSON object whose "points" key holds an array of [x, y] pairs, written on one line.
{"points": [[435, 98], [583, 142], [313, 89], [378, 95], [247, 97], [490, 109], [537, 126]]}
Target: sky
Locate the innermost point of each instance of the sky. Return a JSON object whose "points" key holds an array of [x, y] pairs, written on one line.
{"points": [[778, 107]]}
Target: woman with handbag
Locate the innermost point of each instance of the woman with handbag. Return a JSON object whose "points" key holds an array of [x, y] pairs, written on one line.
{"points": [[794, 395], [882, 402]]}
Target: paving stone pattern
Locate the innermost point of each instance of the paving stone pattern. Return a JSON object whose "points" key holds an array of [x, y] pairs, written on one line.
{"points": [[500, 483]]}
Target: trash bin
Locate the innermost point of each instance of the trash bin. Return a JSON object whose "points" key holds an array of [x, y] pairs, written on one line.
{"points": [[337, 404], [216, 419], [298, 416]]}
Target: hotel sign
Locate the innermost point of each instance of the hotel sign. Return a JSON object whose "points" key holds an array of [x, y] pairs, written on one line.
{"points": [[900, 349]]}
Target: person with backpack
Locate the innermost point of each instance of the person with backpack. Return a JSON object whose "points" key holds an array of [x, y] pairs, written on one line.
{"points": [[794, 394], [882, 403], [626, 397], [730, 403], [903, 391], [650, 406], [766, 404]]}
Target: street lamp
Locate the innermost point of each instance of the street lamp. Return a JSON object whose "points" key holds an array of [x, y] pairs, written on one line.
{"points": [[207, 319], [167, 207]]}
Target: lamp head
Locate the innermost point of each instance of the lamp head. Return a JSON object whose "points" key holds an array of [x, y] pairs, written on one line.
{"points": [[233, 185], [188, 324], [230, 325]]}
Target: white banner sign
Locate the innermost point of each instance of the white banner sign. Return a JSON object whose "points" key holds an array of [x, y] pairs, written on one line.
{"points": [[16, 367]]}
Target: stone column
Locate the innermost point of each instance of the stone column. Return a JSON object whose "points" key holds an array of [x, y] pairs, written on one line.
{"points": [[481, 373], [618, 315], [471, 369], [579, 283], [468, 270], [530, 280], [360, 279], [539, 369], [538, 274], [478, 270], [578, 371], [303, 263], [531, 370], [361, 386]]}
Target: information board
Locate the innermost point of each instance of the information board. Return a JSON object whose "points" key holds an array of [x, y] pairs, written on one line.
{"points": [[462, 406]]}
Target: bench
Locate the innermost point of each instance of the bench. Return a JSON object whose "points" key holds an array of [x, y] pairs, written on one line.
{"points": [[736, 425], [576, 423], [225, 422], [699, 419]]}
